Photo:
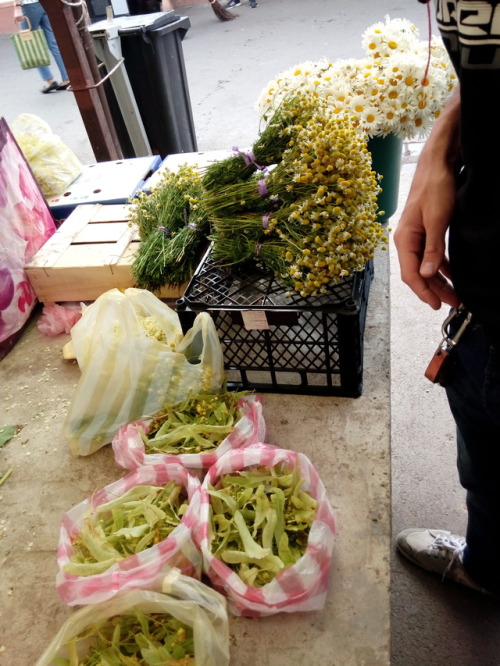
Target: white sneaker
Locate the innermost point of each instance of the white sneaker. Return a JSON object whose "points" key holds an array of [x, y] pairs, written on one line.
{"points": [[438, 551]]}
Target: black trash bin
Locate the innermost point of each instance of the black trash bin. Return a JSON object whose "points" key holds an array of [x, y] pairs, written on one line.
{"points": [[136, 7], [97, 9], [154, 61]]}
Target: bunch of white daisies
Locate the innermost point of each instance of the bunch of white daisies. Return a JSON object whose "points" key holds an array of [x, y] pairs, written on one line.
{"points": [[399, 87]]}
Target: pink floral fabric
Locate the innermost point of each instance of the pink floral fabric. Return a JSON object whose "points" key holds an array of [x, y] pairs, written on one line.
{"points": [[26, 223]]}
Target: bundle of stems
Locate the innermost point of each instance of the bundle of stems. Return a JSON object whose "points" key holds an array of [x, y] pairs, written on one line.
{"points": [[162, 259], [173, 229], [242, 239], [230, 170], [268, 149], [238, 198], [167, 203]]}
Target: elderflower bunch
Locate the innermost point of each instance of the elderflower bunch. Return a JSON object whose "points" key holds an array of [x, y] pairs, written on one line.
{"points": [[399, 87]]}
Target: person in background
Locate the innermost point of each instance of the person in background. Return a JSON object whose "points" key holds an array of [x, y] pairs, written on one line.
{"points": [[38, 19], [453, 201]]}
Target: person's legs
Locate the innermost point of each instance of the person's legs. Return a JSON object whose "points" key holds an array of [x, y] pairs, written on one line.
{"points": [[474, 398], [35, 12], [52, 44]]}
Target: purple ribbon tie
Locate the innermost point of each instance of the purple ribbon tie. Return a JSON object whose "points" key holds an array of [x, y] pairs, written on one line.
{"points": [[249, 158], [262, 187], [166, 232]]}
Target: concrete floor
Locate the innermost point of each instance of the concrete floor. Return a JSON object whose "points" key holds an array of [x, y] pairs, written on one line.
{"points": [[431, 623]]}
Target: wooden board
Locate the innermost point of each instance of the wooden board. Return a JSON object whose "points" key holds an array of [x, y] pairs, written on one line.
{"points": [[90, 253]]}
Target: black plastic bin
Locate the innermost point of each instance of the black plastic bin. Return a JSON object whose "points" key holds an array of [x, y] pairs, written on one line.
{"points": [[280, 343], [97, 9], [154, 61]]}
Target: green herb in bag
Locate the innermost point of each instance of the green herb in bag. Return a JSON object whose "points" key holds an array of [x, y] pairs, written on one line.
{"points": [[260, 521], [127, 525], [198, 425], [141, 639]]}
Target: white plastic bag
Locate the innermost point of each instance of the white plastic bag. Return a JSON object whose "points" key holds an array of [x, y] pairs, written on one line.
{"points": [[127, 372], [186, 599], [54, 165]]}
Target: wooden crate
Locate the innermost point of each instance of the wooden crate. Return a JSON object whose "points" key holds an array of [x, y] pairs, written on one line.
{"points": [[90, 253]]}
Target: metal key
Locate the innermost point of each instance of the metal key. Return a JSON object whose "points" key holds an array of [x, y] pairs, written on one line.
{"points": [[437, 370]]}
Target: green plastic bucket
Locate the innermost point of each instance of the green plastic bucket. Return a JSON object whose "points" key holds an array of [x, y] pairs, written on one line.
{"points": [[386, 161]]}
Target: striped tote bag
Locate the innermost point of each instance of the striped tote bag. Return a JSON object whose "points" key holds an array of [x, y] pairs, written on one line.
{"points": [[31, 47]]}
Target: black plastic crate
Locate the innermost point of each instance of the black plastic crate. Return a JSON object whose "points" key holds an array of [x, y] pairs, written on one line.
{"points": [[274, 342]]}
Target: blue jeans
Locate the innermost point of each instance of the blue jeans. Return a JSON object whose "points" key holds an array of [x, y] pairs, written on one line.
{"points": [[474, 399], [39, 19]]}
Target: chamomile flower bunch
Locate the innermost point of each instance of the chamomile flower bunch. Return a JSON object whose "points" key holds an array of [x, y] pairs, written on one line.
{"points": [[331, 228], [399, 87], [312, 219]]}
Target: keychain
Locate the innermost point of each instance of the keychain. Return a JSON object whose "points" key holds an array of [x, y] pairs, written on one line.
{"points": [[438, 369]]}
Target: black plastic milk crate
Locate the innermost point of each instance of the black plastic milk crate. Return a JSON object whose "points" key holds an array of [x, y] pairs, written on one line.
{"points": [[277, 343]]}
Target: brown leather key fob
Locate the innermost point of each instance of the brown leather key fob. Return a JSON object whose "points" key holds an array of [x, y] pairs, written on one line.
{"points": [[437, 369]]}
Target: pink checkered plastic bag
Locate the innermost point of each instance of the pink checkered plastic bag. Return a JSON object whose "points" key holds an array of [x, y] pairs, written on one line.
{"points": [[300, 587], [145, 569], [130, 452]]}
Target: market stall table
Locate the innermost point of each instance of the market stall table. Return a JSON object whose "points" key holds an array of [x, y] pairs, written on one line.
{"points": [[347, 440]]}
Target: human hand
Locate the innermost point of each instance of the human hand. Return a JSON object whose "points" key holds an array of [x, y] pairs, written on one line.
{"points": [[421, 233], [420, 237]]}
